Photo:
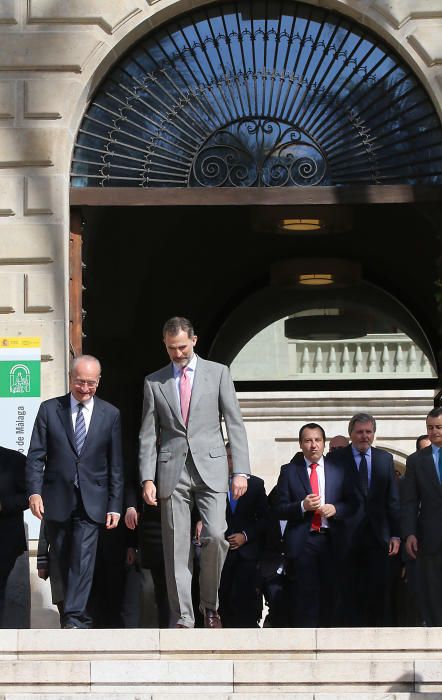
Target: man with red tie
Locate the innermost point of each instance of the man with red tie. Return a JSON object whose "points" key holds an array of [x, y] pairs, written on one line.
{"points": [[315, 497]]}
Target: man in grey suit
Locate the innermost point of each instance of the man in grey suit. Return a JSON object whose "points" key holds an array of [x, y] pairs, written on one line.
{"points": [[182, 452], [421, 517], [74, 475]]}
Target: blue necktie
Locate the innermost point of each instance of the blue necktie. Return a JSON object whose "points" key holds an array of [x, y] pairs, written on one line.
{"points": [[232, 501], [80, 429], [363, 473], [439, 464]]}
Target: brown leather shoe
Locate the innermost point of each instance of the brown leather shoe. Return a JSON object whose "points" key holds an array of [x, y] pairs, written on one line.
{"points": [[211, 619]]}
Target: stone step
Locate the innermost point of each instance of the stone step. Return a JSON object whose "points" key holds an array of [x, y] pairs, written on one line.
{"points": [[314, 664]]}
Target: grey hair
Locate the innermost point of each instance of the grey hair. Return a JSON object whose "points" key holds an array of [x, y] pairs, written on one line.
{"points": [[88, 358], [361, 418]]}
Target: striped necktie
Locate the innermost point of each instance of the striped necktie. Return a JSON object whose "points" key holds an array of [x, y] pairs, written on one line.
{"points": [[80, 429]]}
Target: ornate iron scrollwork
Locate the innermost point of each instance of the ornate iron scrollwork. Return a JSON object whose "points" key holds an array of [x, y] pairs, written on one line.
{"points": [[274, 94], [258, 153]]}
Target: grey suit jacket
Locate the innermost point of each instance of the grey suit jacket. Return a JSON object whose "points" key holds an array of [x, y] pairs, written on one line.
{"points": [[165, 441]]}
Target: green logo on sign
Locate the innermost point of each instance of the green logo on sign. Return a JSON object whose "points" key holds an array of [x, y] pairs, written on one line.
{"points": [[20, 378]]}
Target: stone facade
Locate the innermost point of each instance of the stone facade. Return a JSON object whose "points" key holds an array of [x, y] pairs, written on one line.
{"points": [[53, 55]]}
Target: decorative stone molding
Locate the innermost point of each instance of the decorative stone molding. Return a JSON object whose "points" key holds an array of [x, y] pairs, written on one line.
{"points": [[26, 147], [28, 244], [7, 99], [58, 51], [109, 15], [399, 12], [8, 12], [37, 291], [426, 41], [9, 192], [8, 293]]}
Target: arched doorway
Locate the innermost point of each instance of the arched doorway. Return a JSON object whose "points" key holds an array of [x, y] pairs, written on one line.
{"points": [[218, 113]]}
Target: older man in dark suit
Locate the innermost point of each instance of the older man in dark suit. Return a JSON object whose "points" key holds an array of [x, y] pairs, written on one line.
{"points": [[421, 517], [74, 474], [13, 502], [374, 529]]}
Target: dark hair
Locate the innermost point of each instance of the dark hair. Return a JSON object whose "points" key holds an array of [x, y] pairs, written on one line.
{"points": [[435, 412], [311, 426], [421, 437], [176, 324], [361, 418]]}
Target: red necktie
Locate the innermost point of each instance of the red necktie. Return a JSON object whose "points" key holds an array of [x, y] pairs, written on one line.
{"points": [[314, 483], [185, 394]]}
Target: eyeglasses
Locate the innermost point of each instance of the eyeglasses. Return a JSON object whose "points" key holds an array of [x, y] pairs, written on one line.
{"points": [[90, 383]]}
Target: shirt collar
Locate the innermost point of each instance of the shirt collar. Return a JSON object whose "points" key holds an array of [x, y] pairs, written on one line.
{"points": [[191, 365], [320, 461], [88, 405], [357, 453]]}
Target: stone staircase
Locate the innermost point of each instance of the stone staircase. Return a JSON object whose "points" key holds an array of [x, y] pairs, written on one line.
{"points": [[261, 664]]}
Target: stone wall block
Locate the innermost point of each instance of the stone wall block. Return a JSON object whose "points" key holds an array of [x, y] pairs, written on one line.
{"points": [[426, 40], [53, 51], [27, 244], [42, 195], [50, 99], [39, 293], [7, 99], [398, 12], [107, 14], [26, 147], [9, 192], [8, 12], [8, 293]]}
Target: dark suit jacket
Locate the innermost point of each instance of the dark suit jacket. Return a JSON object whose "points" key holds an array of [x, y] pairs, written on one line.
{"points": [[249, 517], [13, 502], [421, 502], [53, 461], [381, 507], [294, 486], [272, 557]]}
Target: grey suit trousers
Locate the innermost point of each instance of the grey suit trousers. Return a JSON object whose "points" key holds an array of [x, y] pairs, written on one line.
{"points": [[178, 549]]}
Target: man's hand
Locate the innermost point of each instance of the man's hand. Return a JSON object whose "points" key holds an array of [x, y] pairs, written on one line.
{"points": [[239, 486], [393, 547], [311, 502], [197, 535], [43, 573], [131, 556], [327, 510], [150, 493], [112, 520], [36, 505], [236, 540], [411, 546], [131, 518]]}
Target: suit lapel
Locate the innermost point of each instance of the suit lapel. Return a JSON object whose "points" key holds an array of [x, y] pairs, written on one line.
{"points": [[95, 423], [301, 468], [430, 469], [199, 385], [65, 415], [168, 389]]}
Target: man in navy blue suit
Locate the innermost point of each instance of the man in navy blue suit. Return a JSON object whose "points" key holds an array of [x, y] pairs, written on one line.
{"points": [[316, 498], [374, 529], [74, 474]]}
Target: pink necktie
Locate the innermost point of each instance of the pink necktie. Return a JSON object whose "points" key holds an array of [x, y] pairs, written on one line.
{"points": [[185, 394], [314, 483]]}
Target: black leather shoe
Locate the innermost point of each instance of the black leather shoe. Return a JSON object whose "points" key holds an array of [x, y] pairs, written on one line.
{"points": [[70, 626], [211, 619]]}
